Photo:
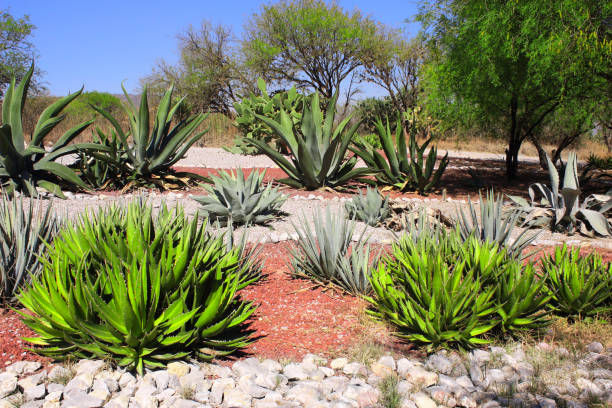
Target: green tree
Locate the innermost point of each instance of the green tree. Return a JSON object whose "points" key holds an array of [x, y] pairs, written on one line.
{"points": [[511, 63], [310, 43], [16, 50]]}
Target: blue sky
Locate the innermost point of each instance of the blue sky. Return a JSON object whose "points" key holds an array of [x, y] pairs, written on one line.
{"points": [[99, 44]]}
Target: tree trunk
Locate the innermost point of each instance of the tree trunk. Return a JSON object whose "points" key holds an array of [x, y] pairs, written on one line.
{"points": [[514, 141], [541, 151]]}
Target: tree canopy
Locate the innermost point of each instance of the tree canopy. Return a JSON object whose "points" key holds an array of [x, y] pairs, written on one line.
{"points": [[512, 62], [16, 50], [310, 43]]}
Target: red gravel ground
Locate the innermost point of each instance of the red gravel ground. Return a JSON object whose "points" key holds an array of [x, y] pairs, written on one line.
{"points": [[294, 317]]}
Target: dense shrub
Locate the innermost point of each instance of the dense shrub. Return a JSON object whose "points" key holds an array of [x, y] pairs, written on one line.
{"points": [[371, 109], [441, 290], [139, 289]]}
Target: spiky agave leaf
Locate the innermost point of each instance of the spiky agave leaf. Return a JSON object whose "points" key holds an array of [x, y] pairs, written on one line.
{"points": [[244, 201], [317, 152], [579, 286], [371, 208], [24, 232], [140, 289], [494, 225], [26, 168], [322, 253]]}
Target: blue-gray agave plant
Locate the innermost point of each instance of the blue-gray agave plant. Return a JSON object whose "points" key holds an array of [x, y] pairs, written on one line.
{"points": [[559, 207]]}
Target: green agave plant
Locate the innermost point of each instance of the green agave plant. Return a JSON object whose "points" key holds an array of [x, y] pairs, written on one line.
{"points": [[371, 208], [322, 253], [25, 229], [138, 288], [396, 168], [494, 225], [103, 170], [154, 151], [24, 168], [317, 152], [580, 286], [441, 290], [559, 207], [234, 199]]}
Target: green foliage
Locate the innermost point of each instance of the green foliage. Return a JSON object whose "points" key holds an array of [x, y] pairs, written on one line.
{"points": [[441, 290], [395, 168], [494, 225], [371, 208], [16, 49], [371, 109], [269, 106], [560, 209], [322, 253], [103, 170], [599, 162], [318, 152], [370, 138], [139, 289], [24, 232], [280, 43], [580, 286], [82, 106], [154, 151], [236, 200], [24, 168], [512, 64]]}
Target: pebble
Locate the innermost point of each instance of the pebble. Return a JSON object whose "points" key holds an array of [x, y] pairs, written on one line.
{"points": [[431, 382]]}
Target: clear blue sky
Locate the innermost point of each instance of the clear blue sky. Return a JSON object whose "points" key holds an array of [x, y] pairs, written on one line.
{"points": [[99, 44]]}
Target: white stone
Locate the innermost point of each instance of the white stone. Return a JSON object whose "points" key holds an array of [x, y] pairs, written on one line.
{"points": [[338, 363]]}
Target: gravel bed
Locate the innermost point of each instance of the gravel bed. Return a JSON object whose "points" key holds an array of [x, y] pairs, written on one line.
{"points": [[540, 376]]}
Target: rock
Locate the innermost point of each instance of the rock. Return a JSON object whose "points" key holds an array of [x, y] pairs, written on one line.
{"points": [[407, 403], [271, 365], [178, 368], [423, 401], [419, 376], [60, 374], [314, 359], [479, 356], [295, 372], [78, 398], [442, 395], [195, 381], [467, 402], [247, 384], [101, 390], [218, 388], [338, 363], [588, 387], [54, 396], [120, 401], [32, 380], [145, 395], [439, 364], [476, 373], [236, 398], [92, 367], [495, 376], [127, 380], [34, 392], [465, 382], [304, 394], [33, 404], [546, 402], [247, 367], [81, 382], [355, 369], [381, 370], [23, 367], [54, 387], [595, 347]]}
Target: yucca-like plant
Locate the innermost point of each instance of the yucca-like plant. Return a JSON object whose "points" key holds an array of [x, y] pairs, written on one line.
{"points": [[152, 152], [322, 253], [102, 170], [138, 288], [241, 201], [24, 168], [25, 229], [371, 208], [559, 208], [441, 290], [494, 225], [396, 168], [580, 286], [317, 151]]}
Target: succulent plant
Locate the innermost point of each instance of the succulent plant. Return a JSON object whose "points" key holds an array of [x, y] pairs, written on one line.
{"points": [[395, 168], [494, 225], [580, 286], [240, 201], [559, 208], [24, 168], [25, 230], [322, 253], [371, 208], [317, 152], [154, 151], [267, 105], [137, 289]]}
